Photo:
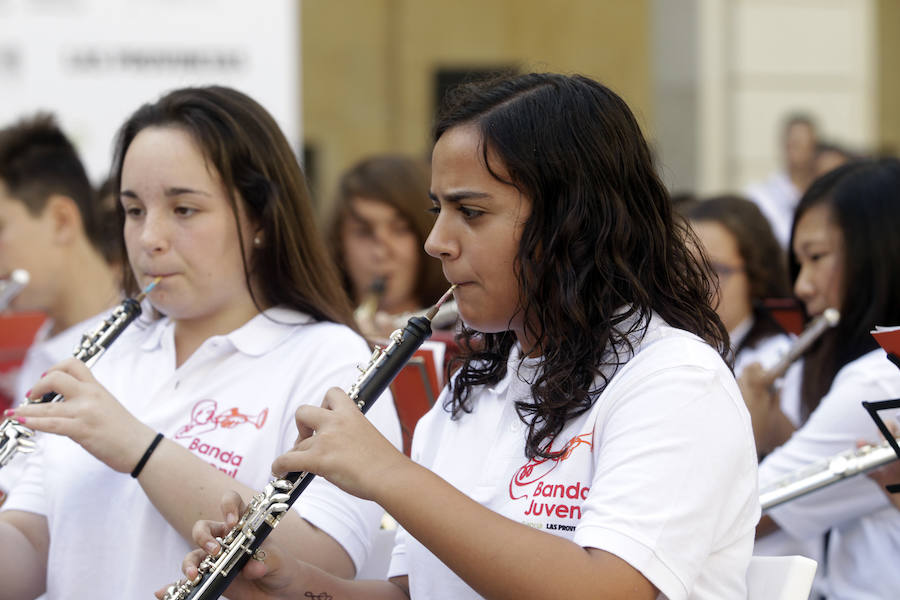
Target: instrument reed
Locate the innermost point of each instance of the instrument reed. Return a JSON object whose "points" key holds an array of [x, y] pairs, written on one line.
{"points": [[10, 287], [15, 437], [268, 508]]}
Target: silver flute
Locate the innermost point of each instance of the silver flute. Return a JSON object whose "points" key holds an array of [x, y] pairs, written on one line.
{"points": [[266, 509], [15, 438], [828, 319], [819, 475], [11, 286]]}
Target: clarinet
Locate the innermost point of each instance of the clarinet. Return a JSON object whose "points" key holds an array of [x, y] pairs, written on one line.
{"points": [[819, 475], [15, 437], [266, 509], [10, 287]]}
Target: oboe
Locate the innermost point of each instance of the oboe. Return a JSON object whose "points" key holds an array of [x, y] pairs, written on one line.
{"points": [[15, 437], [268, 508], [819, 475], [10, 287]]}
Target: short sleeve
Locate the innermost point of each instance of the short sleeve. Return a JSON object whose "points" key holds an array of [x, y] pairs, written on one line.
{"points": [[352, 522], [675, 444], [399, 566], [27, 493]]}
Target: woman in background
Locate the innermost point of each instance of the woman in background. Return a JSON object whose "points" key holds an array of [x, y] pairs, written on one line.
{"points": [[751, 267], [376, 232]]}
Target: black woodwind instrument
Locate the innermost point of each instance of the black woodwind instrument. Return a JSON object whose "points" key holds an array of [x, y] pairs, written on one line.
{"points": [[15, 438], [266, 509]]}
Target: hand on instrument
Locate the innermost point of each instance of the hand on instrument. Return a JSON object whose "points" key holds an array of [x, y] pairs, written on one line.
{"points": [[762, 401], [337, 442], [265, 579], [90, 416]]}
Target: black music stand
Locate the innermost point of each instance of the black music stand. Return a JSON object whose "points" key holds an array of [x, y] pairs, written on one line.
{"points": [[873, 408]]}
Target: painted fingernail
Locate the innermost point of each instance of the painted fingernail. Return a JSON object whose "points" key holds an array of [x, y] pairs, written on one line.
{"points": [[44, 373], [28, 394], [8, 412], [21, 420]]}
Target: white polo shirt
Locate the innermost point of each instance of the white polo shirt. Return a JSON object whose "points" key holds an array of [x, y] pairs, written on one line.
{"points": [[661, 471], [232, 404], [865, 539]]}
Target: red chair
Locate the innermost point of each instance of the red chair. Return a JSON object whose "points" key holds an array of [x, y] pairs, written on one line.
{"points": [[416, 388], [17, 331], [787, 312]]}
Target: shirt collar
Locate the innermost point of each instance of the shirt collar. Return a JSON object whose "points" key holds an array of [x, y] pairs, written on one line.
{"points": [[256, 337], [516, 366]]}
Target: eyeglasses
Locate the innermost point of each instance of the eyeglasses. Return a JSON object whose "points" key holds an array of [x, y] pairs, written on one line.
{"points": [[723, 270]]}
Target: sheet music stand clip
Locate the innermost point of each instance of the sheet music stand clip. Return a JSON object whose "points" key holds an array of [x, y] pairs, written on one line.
{"points": [[873, 408]]}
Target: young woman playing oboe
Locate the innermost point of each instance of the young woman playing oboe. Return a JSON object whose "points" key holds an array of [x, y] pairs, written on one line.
{"points": [[593, 443], [248, 322]]}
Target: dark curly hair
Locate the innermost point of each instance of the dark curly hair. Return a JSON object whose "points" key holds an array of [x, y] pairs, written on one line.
{"points": [[599, 253], [864, 198]]}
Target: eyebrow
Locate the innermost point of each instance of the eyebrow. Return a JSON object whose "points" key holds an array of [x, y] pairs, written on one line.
{"points": [[459, 196], [178, 191], [169, 192], [816, 244]]}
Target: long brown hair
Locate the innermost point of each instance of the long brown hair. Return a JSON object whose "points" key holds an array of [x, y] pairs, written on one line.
{"points": [[402, 183], [241, 140], [765, 263]]}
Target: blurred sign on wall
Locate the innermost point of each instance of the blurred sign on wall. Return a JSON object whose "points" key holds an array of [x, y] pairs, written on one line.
{"points": [[93, 62]]}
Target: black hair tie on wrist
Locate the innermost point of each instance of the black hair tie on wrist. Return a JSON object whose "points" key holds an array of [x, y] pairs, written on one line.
{"points": [[146, 456]]}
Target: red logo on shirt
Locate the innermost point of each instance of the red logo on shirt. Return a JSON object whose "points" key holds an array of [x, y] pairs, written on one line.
{"points": [[538, 468], [204, 419]]}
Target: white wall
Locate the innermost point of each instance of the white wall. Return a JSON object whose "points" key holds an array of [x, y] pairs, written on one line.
{"points": [[93, 62], [754, 61]]}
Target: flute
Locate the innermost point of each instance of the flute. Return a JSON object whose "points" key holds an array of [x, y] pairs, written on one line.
{"points": [[15, 437], [822, 474], [10, 287], [268, 508], [828, 319]]}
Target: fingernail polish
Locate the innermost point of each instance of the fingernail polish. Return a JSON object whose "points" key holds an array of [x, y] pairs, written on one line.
{"points": [[44, 373], [8, 412], [21, 420], [28, 394]]}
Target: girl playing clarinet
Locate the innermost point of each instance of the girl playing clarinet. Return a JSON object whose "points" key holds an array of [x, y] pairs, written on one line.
{"points": [[593, 442], [247, 322]]}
